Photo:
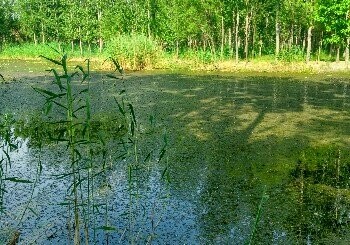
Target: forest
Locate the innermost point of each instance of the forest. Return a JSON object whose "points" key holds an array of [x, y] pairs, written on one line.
{"points": [[231, 29]]}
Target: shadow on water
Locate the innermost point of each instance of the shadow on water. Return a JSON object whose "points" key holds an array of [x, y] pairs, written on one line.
{"points": [[229, 137]]}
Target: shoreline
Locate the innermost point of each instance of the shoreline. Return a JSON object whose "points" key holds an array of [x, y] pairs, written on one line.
{"points": [[256, 67]]}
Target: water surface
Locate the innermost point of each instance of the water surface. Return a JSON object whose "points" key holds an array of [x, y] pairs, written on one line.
{"points": [[231, 141]]}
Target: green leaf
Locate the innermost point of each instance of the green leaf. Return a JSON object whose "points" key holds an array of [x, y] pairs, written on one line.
{"points": [[121, 109], [51, 60], [80, 108], [57, 79], [47, 92], [117, 66], [106, 228], [161, 155], [18, 180], [132, 113], [48, 107], [112, 76], [32, 210]]}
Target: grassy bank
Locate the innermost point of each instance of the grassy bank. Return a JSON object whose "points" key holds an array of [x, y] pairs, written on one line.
{"points": [[140, 53]]}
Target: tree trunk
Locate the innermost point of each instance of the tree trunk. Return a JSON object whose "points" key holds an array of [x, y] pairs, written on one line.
{"points": [[319, 50], [260, 47], [149, 19], [222, 37], [278, 30], [253, 40], [230, 41], [347, 43], [177, 49], [99, 18], [42, 33], [35, 39], [212, 45], [72, 44], [81, 46], [291, 39], [101, 44], [246, 33], [80, 41], [347, 51], [308, 50], [338, 54], [236, 36]]}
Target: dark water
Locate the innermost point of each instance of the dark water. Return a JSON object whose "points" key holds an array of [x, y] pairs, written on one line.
{"points": [[232, 141]]}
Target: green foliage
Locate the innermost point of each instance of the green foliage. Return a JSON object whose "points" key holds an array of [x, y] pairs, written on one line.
{"points": [[134, 51], [174, 25], [334, 17], [292, 54], [30, 50], [200, 56]]}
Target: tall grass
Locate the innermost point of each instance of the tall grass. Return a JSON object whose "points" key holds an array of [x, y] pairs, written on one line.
{"points": [[134, 51], [90, 158], [9, 142], [263, 200], [31, 50]]}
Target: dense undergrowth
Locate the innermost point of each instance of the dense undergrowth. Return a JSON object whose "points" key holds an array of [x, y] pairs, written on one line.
{"points": [[137, 52]]}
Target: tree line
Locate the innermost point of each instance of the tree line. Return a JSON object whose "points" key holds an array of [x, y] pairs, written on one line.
{"points": [[241, 29]]}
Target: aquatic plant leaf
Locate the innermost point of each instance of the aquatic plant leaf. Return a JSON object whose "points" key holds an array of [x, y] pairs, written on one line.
{"points": [[161, 154], [84, 91], [148, 156], [165, 138], [13, 146], [117, 66], [121, 109], [74, 74], [32, 210], [64, 203], [164, 172], [57, 80], [129, 173], [80, 68], [48, 107], [51, 60], [113, 77], [47, 92], [59, 104], [61, 176], [78, 154], [7, 157], [59, 122], [106, 228], [64, 63], [18, 180], [132, 112], [81, 107], [132, 128], [122, 156], [88, 108]]}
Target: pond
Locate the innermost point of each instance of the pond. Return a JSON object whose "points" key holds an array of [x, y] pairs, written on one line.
{"points": [[248, 159]]}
